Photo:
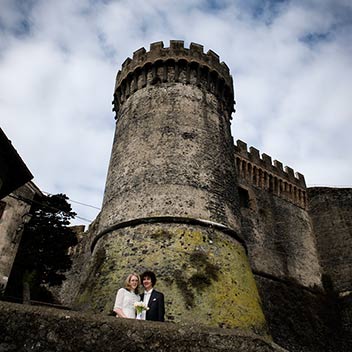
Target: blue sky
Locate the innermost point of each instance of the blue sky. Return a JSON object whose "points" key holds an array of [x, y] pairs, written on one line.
{"points": [[290, 60]]}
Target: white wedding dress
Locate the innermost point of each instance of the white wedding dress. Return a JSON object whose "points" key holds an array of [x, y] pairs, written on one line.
{"points": [[125, 300]]}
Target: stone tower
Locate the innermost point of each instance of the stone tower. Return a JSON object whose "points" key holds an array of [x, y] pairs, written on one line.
{"points": [[170, 202]]}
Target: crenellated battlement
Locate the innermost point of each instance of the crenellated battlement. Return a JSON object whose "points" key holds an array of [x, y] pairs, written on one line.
{"points": [[174, 64], [261, 172]]}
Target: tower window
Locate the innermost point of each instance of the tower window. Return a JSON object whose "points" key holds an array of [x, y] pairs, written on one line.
{"points": [[244, 197]]}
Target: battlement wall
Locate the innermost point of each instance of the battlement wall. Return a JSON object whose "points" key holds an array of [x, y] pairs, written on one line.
{"points": [[174, 64], [260, 171]]}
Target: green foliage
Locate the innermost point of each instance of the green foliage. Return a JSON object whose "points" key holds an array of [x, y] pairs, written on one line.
{"points": [[46, 239]]}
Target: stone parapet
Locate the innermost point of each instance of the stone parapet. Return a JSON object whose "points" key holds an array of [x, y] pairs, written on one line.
{"points": [[174, 64], [272, 176], [28, 328]]}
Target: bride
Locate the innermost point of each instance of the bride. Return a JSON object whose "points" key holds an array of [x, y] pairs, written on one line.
{"points": [[126, 297]]}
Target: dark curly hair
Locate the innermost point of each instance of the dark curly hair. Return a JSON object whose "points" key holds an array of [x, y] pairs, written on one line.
{"points": [[149, 274]]}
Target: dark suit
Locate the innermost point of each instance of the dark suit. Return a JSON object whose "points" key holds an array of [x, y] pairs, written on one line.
{"points": [[156, 306]]}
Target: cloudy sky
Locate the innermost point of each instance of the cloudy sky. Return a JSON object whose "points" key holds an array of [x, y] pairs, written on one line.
{"points": [[291, 62]]}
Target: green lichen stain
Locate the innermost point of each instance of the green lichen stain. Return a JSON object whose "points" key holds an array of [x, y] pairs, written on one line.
{"points": [[203, 273]]}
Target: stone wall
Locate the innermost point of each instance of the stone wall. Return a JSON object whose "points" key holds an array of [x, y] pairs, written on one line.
{"points": [[204, 274], [171, 157], [280, 238], [330, 210], [12, 221], [67, 293], [275, 224], [28, 328], [301, 319]]}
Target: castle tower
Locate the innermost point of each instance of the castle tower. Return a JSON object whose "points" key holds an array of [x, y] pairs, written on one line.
{"points": [[170, 202]]}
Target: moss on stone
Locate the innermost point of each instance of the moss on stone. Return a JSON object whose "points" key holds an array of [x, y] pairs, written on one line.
{"points": [[201, 282]]}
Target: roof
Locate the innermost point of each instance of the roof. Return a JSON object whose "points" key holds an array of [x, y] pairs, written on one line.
{"points": [[13, 171]]}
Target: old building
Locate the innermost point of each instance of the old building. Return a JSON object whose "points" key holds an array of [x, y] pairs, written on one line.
{"points": [[13, 171], [15, 214], [182, 199], [15, 187], [237, 240]]}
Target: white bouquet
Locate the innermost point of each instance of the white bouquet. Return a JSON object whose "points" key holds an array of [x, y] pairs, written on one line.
{"points": [[140, 307]]}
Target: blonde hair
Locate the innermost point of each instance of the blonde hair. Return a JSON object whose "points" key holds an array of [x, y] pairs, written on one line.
{"points": [[128, 285]]}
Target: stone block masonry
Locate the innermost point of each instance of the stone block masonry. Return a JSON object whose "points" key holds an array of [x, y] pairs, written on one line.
{"points": [[171, 203], [330, 210], [204, 274]]}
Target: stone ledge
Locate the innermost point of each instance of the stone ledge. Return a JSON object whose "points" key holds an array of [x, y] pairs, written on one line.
{"points": [[32, 328]]}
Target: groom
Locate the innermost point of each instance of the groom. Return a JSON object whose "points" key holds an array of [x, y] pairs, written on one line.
{"points": [[152, 298]]}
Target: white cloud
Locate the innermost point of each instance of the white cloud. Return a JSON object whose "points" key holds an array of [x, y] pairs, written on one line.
{"points": [[290, 61]]}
